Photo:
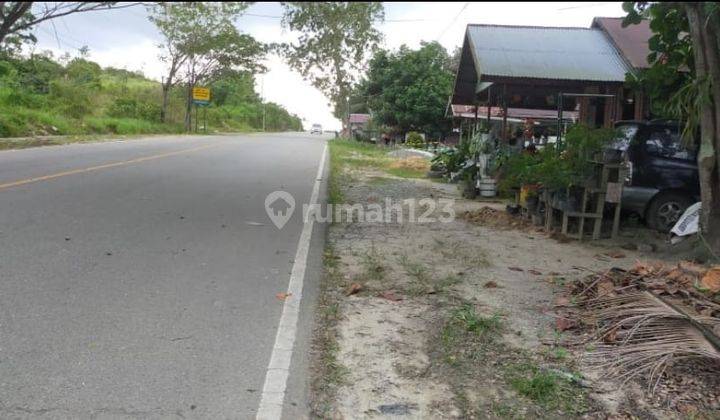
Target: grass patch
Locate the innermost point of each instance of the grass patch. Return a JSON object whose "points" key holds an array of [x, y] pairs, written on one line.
{"points": [[476, 324], [337, 151], [329, 373], [421, 276], [470, 257], [373, 266], [466, 335], [406, 173], [548, 389], [358, 155], [412, 167]]}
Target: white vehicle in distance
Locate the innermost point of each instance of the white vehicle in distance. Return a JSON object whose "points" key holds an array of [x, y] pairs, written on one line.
{"points": [[316, 129]]}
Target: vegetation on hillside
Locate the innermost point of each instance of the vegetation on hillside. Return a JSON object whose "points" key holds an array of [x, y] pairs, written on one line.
{"points": [[41, 95]]}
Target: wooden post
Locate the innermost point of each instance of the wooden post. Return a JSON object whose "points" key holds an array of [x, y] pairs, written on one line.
{"points": [[504, 108]]}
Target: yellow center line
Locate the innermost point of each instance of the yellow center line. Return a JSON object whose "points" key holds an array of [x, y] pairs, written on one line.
{"points": [[99, 167]]}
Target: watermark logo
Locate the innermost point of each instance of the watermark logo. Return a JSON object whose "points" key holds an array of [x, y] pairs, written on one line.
{"points": [[279, 206]]}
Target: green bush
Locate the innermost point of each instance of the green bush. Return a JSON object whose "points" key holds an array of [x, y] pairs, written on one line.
{"points": [[19, 122], [553, 169], [73, 100], [39, 96], [132, 108], [109, 125], [415, 140]]}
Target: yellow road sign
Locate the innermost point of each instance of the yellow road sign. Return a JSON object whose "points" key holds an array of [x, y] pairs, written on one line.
{"points": [[201, 94]]}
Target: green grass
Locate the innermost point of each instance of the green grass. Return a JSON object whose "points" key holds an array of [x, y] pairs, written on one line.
{"points": [[477, 324], [129, 126], [335, 193], [61, 100], [548, 389], [466, 335], [406, 172], [328, 373], [358, 155], [373, 265]]}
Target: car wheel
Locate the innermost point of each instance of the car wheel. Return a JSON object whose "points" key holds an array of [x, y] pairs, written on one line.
{"points": [[665, 210]]}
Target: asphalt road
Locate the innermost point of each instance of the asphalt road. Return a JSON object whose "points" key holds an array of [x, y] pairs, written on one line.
{"points": [[138, 279]]}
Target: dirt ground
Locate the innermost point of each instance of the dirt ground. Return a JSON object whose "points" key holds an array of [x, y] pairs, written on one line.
{"points": [[457, 320]]}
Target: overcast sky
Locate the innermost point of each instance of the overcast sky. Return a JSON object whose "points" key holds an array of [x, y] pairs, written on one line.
{"points": [[126, 39]]}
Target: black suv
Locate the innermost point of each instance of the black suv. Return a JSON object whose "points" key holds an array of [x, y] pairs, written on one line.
{"points": [[663, 178]]}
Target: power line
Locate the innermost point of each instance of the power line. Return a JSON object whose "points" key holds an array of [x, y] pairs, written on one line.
{"points": [[383, 21], [452, 22], [583, 6]]}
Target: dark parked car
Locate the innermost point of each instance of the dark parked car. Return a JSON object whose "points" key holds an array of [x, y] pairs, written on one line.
{"points": [[663, 177]]}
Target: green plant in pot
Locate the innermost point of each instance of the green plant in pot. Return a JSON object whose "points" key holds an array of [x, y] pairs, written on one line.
{"points": [[415, 140]]}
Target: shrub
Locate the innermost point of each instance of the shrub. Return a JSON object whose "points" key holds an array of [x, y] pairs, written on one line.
{"points": [[415, 140], [556, 170], [132, 108], [74, 100]]}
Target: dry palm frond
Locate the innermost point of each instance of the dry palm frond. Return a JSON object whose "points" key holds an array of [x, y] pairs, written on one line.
{"points": [[642, 333]]}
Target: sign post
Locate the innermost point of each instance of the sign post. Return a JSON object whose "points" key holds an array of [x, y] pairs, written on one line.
{"points": [[201, 97]]}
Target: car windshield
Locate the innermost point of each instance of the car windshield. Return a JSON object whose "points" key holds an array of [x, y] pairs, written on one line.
{"points": [[625, 134]]}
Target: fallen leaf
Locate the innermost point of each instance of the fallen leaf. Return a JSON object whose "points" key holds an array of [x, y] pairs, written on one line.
{"points": [[283, 295], [692, 267], [642, 268], [711, 279], [563, 324], [353, 289], [515, 269], [562, 301], [391, 296], [490, 285], [611, 336]]}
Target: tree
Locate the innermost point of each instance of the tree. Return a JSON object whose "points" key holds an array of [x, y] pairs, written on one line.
{"points": [[687, 40], [409, 89], [201, 42], [336, 38], [17, 18]]}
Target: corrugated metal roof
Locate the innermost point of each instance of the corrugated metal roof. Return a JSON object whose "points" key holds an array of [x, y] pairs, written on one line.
{"points": [[545, 53]]}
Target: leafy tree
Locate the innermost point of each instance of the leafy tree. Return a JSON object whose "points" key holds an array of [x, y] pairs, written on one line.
{"points": [[82, 71], [234, 88], [686, 47], [17, 18], [201, 42], [336, 38], [409, 89]]}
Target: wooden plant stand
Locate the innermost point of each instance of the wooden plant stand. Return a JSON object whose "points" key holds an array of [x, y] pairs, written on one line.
{"points": [[607, 187]]}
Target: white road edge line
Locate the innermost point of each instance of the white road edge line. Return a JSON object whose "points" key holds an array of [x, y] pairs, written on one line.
{"points": [[278, 370]]}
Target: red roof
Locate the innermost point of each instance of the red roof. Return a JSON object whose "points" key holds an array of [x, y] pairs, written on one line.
{"points": [[632, 40]]}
